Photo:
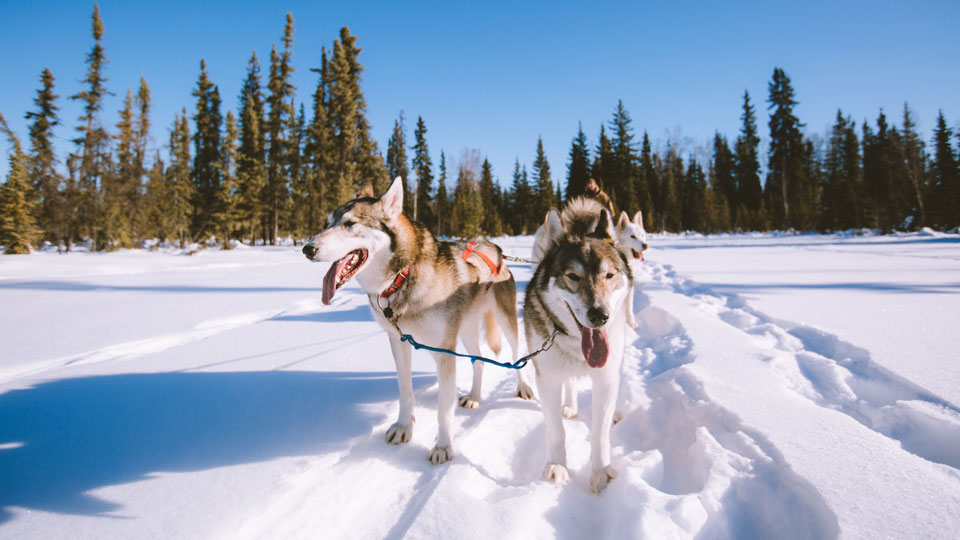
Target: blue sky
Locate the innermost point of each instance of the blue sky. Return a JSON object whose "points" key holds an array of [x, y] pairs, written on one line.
{"points": [[496, 75]]}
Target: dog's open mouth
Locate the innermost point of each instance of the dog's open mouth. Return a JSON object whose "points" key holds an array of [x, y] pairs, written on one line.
{"points": [[341, 272], [593, 344], [637, 255]]}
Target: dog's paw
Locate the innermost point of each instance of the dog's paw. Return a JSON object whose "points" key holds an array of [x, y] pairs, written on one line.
{"points": [[398, 434], [556, 474], [441, 454], [569, 412], [617, 417], [600, 479], [524, 391], [468, 402]]}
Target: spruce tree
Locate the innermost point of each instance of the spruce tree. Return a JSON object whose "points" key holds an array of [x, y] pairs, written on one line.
{"points": [[18, 228], [141, 126], [251, 156], [467, 206], [397, 165], [603, 162], [444, 208], [490, 215], [92, 161], [622, 180], [423, 168], [47, 181], [156, 220], [787, 189], [670, 211], [521, 217], [226, 218], [120, 186], [296, 210], [724, 173], [578, 169], [912, 165], [841, 197], [178, 187], [207, 156], [650, 178], [749, 190], [317, 150], [542, 184], [280, 91], [945, 191]]}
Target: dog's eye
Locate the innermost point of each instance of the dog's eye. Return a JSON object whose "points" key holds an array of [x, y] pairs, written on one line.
{"points": [[348, 224], [610, 275], [633, 236], [573, 277]]}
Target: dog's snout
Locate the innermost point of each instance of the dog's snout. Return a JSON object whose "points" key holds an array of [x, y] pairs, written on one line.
{"points": [[597, 316], [309, 250]]}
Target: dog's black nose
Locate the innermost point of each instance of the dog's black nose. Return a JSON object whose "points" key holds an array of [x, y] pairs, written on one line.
{"points": [[309, 250], [645, 246], [597, 316]]}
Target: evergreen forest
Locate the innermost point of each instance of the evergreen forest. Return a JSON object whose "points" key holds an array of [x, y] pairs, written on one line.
{"points": [[271, 167]]}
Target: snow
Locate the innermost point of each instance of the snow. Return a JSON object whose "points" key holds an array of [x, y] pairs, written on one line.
{"points": [[779, 386]]}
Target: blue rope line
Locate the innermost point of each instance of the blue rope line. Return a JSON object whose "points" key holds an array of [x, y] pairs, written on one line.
{"points": [[516, 365]]}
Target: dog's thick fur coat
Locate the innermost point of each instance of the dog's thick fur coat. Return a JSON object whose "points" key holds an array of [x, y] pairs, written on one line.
{"points": [[445, 295], [579, 288]]}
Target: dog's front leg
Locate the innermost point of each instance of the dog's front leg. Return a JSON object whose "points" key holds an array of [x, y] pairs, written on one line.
{"points": [[551, 396], [605, 391], [446, 399], [402, 431]]}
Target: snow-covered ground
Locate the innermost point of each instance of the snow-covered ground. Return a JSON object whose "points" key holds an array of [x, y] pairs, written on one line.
{"points": [[779, 387]]}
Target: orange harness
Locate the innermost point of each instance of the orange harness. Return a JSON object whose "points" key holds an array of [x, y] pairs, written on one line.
{"points": [[471, 248]]}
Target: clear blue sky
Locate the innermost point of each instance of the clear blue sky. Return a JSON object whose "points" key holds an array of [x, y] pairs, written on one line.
{"points": [[496, 75]]}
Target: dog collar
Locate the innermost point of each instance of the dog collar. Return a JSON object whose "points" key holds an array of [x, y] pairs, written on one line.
{"points": [[472, 248], [397, 283]]}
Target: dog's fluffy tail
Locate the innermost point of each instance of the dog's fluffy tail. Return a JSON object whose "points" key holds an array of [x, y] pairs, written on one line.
{"points": [[492, 330]]}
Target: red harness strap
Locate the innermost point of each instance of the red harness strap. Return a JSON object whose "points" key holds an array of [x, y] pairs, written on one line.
{"points": [[397, 283], [471, 248]]}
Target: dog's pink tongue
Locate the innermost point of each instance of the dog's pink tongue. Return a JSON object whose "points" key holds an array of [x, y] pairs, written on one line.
{"points": [[593, 343], [330, 281]]}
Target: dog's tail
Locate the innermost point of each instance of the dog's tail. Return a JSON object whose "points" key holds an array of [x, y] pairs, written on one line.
{"points": [[492, 330]]}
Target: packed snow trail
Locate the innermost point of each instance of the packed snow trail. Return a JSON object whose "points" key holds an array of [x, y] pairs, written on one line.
{"points": [[263, 415]]}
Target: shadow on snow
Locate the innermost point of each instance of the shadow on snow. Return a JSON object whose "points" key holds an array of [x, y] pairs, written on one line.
{"points": [[61, 439]]}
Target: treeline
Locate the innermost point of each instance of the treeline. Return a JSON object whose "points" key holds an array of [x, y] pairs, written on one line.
{"points": [[272, 170]]}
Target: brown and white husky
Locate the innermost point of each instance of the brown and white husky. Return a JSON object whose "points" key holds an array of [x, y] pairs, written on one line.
{"points": [[435, 291]]}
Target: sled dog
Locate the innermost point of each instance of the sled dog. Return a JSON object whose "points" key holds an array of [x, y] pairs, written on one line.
{"points": [[578, 290], [430, 289]]}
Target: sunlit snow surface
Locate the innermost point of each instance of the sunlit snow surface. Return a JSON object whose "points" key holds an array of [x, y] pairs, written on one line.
{"points": [[780, 386]]}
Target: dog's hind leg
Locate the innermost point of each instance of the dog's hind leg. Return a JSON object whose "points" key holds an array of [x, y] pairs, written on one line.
{"points": [[402, 430], [446, 401], [505, 313], [470, 334]]}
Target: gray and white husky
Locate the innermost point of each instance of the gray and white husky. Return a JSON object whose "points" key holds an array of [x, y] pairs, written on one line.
{"points": [[579, 290], [432, 290]]}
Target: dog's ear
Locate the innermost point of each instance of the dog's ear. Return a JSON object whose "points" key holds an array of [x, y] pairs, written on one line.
{"points": [[553, 227], [392, 200], [638, 218], [366, 190], [603, 226], [623, 222]]}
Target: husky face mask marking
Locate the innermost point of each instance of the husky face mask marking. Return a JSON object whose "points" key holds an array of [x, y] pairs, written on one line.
{"points": [[354, 232]]}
